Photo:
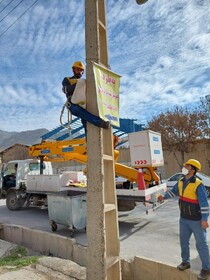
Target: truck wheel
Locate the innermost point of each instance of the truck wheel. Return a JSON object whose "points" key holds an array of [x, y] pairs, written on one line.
{"points": [[12, 201]]}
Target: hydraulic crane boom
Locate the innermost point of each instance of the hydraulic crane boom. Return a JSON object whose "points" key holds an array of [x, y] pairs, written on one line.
{"points": [[76, 150]]}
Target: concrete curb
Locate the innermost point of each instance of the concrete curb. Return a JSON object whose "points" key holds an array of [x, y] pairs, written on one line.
{"points": [[66, 248], [56, 268], [6, 247]]}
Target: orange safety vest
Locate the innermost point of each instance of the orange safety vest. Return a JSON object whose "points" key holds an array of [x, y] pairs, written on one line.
{"points": [[188, 200]]}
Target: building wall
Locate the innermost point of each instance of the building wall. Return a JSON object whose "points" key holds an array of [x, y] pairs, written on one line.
{"points": [[15, 152], [201, 152]]}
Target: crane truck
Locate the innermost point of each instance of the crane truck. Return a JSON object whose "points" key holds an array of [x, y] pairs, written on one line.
{"points": [[35, 178]]}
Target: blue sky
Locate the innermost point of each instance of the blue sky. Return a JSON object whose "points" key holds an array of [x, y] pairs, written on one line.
{"points": [[161, 49]]}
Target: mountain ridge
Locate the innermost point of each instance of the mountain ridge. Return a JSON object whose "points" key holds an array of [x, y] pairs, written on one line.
{"points": [[28, 137]]}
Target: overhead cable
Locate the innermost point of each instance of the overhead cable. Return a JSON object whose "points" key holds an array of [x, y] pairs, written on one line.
{"points": [[19, 17], [6, 5], [11, 10]]}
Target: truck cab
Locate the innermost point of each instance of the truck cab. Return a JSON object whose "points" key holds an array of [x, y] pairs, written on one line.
{"points": [[14, 175]]}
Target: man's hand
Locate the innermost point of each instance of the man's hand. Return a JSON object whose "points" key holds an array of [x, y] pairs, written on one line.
{"points": [[160, 198], [204, 224]]}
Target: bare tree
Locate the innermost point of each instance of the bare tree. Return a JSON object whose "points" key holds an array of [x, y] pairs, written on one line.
{"points": [[180, 128]]}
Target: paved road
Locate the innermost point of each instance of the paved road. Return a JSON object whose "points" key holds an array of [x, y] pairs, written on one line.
{"points": [[154, 236]]}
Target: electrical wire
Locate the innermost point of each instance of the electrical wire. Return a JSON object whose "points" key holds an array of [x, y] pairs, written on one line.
{"points": [[6, 5], [11, 10], [19, 18]]}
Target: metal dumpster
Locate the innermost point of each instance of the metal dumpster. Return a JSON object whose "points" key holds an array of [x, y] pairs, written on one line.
{"points": [[67, 210]]}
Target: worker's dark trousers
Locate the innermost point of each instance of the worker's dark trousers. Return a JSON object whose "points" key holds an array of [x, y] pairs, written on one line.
{"points": [[85, 116], [187, 227]]}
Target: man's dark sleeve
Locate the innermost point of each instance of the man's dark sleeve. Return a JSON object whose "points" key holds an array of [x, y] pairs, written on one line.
{"points": [[68, 89], [172, 193], [203, 201]]}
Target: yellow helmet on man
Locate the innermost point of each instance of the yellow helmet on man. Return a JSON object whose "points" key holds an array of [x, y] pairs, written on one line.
{"points": [[194, 163], [78, 64]]}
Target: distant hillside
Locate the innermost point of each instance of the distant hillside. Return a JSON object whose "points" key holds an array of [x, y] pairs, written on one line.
{"points": [[28, 137]]}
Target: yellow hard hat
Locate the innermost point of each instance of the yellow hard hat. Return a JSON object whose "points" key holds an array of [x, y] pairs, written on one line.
{"points": [[78, 64], [194, 163]]}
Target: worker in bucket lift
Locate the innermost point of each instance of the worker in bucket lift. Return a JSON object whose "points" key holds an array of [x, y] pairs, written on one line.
{"points": [[69, 84], [194, 212]]}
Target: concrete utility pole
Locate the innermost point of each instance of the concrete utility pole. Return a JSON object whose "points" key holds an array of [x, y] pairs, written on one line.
{"points": [[103, 252], [102, 220]]}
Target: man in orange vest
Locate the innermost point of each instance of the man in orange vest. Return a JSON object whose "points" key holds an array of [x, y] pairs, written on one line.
{"points": [[194, 212]]}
